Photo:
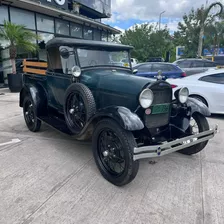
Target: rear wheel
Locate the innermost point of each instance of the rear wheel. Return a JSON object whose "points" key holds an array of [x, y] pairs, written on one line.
{"points": [[113, 152], [30, 116], [198, 124]]}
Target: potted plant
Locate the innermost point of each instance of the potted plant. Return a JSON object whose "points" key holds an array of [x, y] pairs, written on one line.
{"points": [[17, 36]]}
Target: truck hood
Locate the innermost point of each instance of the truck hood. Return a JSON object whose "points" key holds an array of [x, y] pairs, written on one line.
{"points": [[115, 80], [115, 87]]}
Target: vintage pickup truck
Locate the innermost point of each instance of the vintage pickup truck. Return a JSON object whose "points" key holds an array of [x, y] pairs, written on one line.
{"points": [[83, 90]]}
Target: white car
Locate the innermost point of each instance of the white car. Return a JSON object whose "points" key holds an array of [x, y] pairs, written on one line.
{"points": [[208, 87]]}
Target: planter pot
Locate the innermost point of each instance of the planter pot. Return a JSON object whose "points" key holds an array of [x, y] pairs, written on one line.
{"points": [[15, 82]]}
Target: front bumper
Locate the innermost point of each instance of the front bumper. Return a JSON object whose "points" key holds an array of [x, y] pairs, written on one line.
{"points": [[173, 146]]}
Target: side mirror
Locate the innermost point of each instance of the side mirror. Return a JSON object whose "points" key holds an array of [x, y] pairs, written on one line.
{"points": [[64, 53], [135, 71], [76, 71]]}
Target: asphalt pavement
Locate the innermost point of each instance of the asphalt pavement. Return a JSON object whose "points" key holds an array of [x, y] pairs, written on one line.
{"points": [[48, 177]]}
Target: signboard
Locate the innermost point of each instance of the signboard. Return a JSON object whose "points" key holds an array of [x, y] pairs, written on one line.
{"points": [[58, 3], [213, 51], [101, 6], [179, 51]]}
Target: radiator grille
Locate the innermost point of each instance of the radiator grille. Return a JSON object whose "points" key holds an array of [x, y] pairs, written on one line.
{"points": [[162, 94]]}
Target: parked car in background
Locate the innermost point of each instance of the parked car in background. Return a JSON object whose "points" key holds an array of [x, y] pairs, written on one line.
{"points": [[194, 65], [155, 59], [125, 61], [207, 87], [150, 70], [134, 62]]}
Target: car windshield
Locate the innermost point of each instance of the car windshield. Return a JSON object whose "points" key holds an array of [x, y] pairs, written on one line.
{"points": [[95, 57]]}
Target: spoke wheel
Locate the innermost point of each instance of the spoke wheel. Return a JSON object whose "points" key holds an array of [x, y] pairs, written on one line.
{"points": [[198, 123], [113, 152], [29, 113], [79, 107], [76, 111]]}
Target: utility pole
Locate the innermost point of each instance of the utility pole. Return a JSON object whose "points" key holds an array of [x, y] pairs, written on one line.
{"points": [[160, 18]]}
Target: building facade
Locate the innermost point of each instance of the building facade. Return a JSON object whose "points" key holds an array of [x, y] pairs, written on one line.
{"points": [[50, 18]]}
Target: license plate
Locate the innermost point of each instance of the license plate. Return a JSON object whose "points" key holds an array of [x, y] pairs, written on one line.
{"points": [[160, 109]]}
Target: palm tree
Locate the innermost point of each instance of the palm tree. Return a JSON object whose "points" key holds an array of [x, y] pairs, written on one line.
{"points": [[17, 36], [204, 17]]}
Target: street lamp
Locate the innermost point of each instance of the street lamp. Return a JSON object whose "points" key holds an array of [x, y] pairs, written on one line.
{"points": [[160, 18]]}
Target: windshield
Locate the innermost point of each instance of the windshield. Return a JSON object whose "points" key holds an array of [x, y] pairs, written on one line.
{"points": [[92, 57]]}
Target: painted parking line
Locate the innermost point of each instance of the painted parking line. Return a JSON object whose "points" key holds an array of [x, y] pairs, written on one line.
{"points": [[13, 141]]}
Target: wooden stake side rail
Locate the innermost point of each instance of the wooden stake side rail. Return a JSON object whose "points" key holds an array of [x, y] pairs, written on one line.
{"points": [[34, 67]]}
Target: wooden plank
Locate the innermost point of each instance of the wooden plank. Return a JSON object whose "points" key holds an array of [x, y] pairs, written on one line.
{"points": [[35, 71], [35, 64]]}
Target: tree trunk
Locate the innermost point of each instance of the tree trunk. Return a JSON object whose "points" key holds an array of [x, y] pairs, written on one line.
{"points": [[200, 43], [13, 54], [13, 61]]}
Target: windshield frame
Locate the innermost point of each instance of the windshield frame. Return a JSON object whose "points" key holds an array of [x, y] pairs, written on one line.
{"points": [[106, 65]]}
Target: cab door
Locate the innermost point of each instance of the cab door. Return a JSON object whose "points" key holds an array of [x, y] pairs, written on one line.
{"points": [[58, 75]]}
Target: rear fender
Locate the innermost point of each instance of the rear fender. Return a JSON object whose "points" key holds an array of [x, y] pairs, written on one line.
{"points": [[127, 119], [38, 96]]}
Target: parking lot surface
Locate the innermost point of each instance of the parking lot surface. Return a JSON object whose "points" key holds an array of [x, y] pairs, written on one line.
{"points": [[48, 177]]}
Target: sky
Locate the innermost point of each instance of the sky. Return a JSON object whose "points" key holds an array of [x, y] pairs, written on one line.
{"points": [[126, 13]]}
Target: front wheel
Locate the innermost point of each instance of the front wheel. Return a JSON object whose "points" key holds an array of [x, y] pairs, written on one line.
{"points": [[198, 124], [113, 152]]}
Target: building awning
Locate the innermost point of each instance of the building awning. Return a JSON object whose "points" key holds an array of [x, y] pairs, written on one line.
{"points": [[36, 6]]}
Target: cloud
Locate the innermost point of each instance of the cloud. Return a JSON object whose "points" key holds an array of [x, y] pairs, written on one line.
{"points": [[141, 11]]}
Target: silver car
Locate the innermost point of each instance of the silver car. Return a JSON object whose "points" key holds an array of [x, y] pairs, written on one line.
{"points": [[193, 65]]}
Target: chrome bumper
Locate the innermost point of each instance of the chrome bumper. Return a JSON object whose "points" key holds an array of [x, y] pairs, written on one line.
{"points": [[169, 147]]}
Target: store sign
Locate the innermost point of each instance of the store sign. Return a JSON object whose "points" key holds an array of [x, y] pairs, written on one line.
{"points": [[59, 3]]}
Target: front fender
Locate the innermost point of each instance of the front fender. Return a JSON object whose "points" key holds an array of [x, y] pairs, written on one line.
{"points": [[198, 106], [127, 119]]}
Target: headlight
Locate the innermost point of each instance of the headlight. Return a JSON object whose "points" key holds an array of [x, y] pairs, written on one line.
{"points": [[76, 71], [146, 98], [183, 95]]}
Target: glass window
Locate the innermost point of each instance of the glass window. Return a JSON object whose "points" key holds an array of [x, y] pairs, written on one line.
{"points": [[104, 36], [76, 30], [45, 23], [210, 64], [44, 38], [3, 14], [162, 67], [97, 34], [22, 17], [197, 64], [216, 78], [62, 27], [90, 57], [144, 68], [184, 64], [88, 33]]}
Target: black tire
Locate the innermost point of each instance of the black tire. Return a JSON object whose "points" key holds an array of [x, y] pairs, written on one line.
{"points": [[200, 98], [30, 114], [202, 126], [87, 105], [126, 142]]}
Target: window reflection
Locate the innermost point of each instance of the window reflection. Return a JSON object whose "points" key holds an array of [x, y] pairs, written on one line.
{"points": [[88, 33], [104, 36], [45, 23], [45, 37], [62, 27], [97, 35], [22, 17], [3, 14], [76, 30]]}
